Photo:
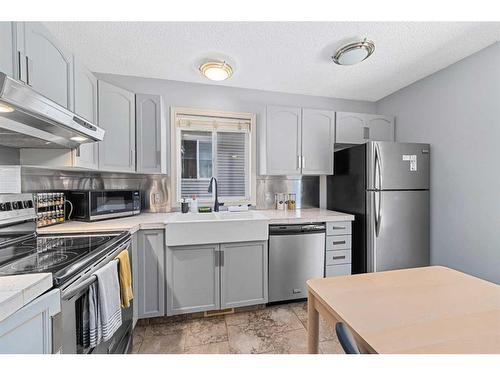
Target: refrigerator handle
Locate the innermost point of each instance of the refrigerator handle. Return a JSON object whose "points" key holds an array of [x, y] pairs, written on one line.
{"points": [[378, 214], [377, 170]]}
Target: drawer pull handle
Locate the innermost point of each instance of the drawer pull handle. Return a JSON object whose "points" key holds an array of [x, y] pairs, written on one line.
{"points": [[339, 257], [334, 228], [338, 242]]}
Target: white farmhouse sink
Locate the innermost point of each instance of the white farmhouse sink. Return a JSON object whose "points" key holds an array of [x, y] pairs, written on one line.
{"points": [[215, 227]]}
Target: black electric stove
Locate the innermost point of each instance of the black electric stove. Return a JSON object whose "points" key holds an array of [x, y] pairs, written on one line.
{"points": [[22, 251]]}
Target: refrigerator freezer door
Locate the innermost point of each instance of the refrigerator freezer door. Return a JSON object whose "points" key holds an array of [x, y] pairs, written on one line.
{"points": [[398, 230], [397, 166]]}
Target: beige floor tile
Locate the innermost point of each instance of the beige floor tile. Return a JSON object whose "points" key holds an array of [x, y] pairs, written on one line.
{"points": [[136, 345], [139, 332], [274, 319], [246, 339], [331, 347], [291, 342], [169, 344], [206, 331], [326, 330], [214, 348], [167, 328]]}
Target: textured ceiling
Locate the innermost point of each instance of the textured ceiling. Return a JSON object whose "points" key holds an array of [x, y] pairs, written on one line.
{"points": [[291, 57]]}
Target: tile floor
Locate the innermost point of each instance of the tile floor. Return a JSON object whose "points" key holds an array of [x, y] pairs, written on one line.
{"points": [[280, 329]]}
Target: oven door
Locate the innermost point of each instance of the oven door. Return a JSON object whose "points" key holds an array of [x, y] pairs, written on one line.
{"points": [[113, 203], [73, 315]]}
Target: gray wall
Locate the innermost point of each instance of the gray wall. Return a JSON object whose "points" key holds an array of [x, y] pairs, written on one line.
{"points": [[457, 111], [195, 95]]}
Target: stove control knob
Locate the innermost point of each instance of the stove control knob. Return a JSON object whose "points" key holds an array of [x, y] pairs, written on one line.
{"points": [[15, 205], [3, 207], [28, 204]]}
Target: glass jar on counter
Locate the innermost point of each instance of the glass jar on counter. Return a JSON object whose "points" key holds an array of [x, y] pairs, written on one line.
{"points": [[291, 202], [280, 201]]}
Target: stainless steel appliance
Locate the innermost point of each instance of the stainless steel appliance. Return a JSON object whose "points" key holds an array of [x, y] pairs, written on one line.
{"points": [[72, 260], [296, 254], [29, 119], [92, 205], [385, 185]]}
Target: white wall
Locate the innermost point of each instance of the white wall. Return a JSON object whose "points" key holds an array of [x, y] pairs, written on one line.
{"points": [[195, 95], [457, 111]]}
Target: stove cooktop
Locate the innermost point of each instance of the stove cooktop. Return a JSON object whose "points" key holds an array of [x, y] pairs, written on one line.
{"points": [[48, 254]]}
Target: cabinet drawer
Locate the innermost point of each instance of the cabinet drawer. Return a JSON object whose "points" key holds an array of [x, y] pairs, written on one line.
{"points": [[338, 227], [338, 270], [338, 242], [338, 257]]}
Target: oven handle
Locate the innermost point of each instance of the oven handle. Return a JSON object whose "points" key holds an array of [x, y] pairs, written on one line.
{"points": [[85, 283]]}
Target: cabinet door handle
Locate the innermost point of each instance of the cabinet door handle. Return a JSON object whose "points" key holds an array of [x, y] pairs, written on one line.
{"points": [[303, 162], [20, 71], [216, 258], [29, 70], [221, 252], [338, 242], [339, 228], [299, 162], [339, 257]]}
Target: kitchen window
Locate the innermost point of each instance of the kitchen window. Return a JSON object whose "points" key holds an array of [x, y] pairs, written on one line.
{"points": [[213, 145]]}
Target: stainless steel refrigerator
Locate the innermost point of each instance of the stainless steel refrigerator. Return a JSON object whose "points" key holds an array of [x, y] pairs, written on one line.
{"points": [[385, 185]]}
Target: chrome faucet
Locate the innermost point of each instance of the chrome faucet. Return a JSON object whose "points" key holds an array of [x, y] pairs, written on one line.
{"points": [[216, 200]]}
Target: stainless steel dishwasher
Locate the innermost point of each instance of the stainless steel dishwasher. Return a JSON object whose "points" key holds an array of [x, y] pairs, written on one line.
{"points": [[296, 254]]}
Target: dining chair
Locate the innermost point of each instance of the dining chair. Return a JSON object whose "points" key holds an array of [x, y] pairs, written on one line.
{"points": [[346, 339]]}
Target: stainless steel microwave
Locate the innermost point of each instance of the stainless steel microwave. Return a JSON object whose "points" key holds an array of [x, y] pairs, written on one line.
{"points": [[92, 205]]}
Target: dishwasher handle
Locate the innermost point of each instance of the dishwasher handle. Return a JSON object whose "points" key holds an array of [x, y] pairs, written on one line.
{"points": [[297, 229]]}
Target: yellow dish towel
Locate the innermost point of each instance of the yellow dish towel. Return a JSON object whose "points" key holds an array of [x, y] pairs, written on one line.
{"points": [[125, 277]]}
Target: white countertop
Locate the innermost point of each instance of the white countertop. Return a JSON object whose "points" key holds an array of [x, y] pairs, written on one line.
{"points": [[160, 220], [19, 290]]}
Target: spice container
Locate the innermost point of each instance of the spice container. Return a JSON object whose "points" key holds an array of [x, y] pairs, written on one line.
{"points": [[280, 201], [291, 202]]}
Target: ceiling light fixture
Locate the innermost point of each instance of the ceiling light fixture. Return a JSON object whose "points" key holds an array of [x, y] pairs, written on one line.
{"points": [[216, 70], [5, 108], [354, 53]]}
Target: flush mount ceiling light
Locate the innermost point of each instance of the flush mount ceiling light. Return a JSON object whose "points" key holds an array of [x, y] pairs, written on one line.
{"points": [[216, 70], [354, 53]]}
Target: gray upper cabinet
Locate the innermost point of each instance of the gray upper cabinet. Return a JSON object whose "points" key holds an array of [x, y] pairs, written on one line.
{"points": [[357, 128], [149, 134], [244, 274], [192, 279], [85, 99], [283, 133], [150, 273], [117, 118], [43, 63], [7, 55], [318, 138]]}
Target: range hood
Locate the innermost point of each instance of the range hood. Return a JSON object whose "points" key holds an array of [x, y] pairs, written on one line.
{"points": [[30, 120]]}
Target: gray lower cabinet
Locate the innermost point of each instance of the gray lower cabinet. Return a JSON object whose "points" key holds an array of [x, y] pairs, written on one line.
{"points": [[149, 134], [29, 330], [117, 118], [43, 63], [7, 55], [85, 105], [150, 273], [243, 274], [193, 281], [216, 276], [135, 276]]}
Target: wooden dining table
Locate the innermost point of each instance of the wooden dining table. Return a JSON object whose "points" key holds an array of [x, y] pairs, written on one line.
{"points": [[424, 310]]}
